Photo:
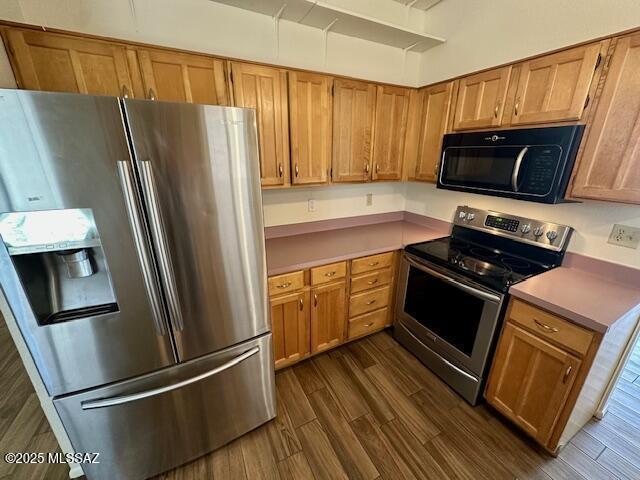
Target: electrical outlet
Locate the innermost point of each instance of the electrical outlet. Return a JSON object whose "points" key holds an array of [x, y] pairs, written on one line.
{"points": [[625, 236], [369, 199], [312, 205]]}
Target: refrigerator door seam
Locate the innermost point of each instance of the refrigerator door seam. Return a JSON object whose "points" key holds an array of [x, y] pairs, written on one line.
{"points": [[166, 268], [124, 171]]}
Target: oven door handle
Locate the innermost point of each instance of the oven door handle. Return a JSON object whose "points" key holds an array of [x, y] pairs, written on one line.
{"points": [[467, 288], [516, 168]]}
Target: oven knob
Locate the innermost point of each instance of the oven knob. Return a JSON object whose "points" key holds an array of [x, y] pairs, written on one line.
{"points": [[537, 231], [526, 228], [462, 215], [551, 235], [471, 216]]}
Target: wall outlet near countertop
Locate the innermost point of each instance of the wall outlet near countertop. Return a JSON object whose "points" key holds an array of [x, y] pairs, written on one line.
{"points": [[312, 205], [369, 201], [625, 236]]}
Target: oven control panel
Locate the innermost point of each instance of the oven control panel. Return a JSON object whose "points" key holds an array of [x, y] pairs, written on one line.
{"points": [[527, 230], [503, 223]]}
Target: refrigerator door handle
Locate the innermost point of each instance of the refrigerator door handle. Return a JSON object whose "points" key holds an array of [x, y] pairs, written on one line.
{"points": [[110, 402], [158, 233], [139, 238]]}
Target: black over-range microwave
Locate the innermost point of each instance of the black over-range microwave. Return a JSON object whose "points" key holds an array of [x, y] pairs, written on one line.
{"points": [[528, 164]]}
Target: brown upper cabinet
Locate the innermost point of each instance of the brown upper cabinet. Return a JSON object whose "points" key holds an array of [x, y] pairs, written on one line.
{"points": [[183, 77], [435, 118], [265, 89], [554, 88], [609, 167], [392, 110], [353, 116], [61, 63], [481, 99], [310, 126]]}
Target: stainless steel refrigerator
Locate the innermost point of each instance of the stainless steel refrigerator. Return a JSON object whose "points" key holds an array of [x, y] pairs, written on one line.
{"points": [[133, 260]]}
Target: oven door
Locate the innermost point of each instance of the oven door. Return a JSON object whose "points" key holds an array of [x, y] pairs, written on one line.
{"points": [[517, 170], [448, 314]]}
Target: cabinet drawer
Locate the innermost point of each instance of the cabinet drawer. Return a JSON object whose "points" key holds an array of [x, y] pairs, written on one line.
{"points": [[328, 273], [370, 280], [373, 262], [367, 323], [368, 301], [551, 327], [286, 283]]}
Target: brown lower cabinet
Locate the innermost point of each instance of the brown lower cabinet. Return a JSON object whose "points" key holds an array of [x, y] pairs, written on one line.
{"points": [[328, 316], [549, 374], [321, 308]]}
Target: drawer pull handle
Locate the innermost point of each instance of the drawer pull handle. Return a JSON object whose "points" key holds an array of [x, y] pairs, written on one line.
{"points": [[566, 374], [369, 325], [329, 274], [284, 285], [372, 282], [373, 264], [371, 302], [545, 327]]}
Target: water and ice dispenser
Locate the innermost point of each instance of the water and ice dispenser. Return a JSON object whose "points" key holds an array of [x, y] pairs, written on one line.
{"points": [[59, 259]]}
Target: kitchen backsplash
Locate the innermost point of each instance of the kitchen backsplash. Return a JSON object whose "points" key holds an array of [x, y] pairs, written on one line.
{"points": [[592, 220]]}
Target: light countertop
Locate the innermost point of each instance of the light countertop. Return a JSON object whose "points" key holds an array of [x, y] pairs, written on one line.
{"points": [[297, 252], [586, 298]]}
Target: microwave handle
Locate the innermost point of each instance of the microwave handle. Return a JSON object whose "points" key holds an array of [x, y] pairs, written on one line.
{"points": [[516, 168]]}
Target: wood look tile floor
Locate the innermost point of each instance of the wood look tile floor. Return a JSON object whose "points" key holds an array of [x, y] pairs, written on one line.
{"points": [[366, 410]]}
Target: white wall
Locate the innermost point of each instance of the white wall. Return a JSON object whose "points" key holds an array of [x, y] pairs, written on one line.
{"points": [[337, 201], [591, 220], [481, 34], [206, 26]]}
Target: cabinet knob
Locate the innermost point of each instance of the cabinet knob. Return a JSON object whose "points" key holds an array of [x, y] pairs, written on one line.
{"points": [[315, 299], [280, 169], [151, 95], [297, 170], [517, 106], [301, 304], [566, 374], [125, 92]]}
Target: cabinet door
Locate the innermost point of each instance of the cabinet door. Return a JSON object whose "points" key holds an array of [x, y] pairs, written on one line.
{"points": [[554, 88], [290, 328], [530, 380], [328, 316], [435, 116], [481, 99], [310, 126], [392, 110], [609, 168], [265, 89], [59, 63], [353, 115], [183, 77]]}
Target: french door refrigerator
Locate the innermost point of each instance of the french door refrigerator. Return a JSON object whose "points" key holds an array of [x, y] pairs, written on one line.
{"points": [[133, 260]]}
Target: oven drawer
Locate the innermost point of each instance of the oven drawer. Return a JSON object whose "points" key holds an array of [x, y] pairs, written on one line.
{"points": [[368, 301], [549, 326], [285, 283], [372, 262], [367, 323], [328, 273], [371, 280]]}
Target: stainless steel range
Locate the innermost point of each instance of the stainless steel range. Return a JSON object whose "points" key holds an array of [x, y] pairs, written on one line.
{"points": [[453, 290]]}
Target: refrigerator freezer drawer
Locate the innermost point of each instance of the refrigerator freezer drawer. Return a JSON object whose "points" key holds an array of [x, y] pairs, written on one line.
{"points": [[153, 423]]}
